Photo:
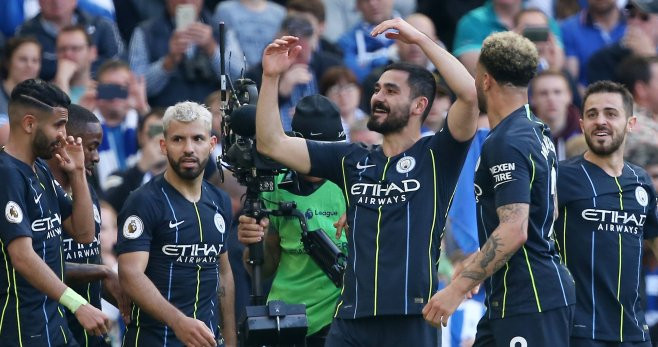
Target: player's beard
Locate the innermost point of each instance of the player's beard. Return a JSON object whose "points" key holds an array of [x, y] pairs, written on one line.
{"points": [[605, 150], [396, 119], [184, 173], [42, 146]]}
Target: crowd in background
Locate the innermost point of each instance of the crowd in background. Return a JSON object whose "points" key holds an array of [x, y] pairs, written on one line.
{"points": [[128, 60]]}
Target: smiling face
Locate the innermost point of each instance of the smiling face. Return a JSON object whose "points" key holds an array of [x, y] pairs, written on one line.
{"points": [[605, 123], [390, 103], [187, 146]]}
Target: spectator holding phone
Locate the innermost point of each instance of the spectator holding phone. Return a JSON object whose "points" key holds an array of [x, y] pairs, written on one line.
{"points": [[533, 24], [120, 99]]}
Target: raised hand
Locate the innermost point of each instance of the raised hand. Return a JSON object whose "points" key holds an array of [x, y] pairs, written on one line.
{"points": [[399, 30], [70, 154], [280, 55]]}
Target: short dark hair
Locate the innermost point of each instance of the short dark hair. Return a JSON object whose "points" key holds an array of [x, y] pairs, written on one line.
{"points": [[297, 25], [555, 73], [335, 75], [36, 94], [509, 58], [157, 112], [634, 69], [12, 45], [314, 7], [525, 11], [111, 65], [80, 28], [420, 81], [79, 117], [610, 87]]}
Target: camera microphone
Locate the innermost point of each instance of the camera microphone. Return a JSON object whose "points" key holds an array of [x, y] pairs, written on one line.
{"points": [[243, 120]]}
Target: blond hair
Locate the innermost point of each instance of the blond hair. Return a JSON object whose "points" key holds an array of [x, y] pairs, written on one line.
{"points": [[509, 58]]}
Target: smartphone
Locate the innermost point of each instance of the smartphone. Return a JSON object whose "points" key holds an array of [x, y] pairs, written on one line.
{"points": [[536, 33], [155, 130], [111, 91], [185, 15]]}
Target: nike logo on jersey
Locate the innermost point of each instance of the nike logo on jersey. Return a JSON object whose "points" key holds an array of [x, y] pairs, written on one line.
{"points": [[173, 225], [37, 198], [361, 167], [315, 134]]}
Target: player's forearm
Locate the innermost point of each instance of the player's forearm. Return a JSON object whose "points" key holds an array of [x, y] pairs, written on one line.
{"points": [[144, 293], [37, 273], [496, 252], [458, 79], [82, 218], [75, 273], [269, 130], [226, 294]]}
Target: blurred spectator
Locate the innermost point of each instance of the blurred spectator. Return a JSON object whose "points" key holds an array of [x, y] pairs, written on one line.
{"points": [[343, 15], [302, 78], [129, 13], [149, 161], [551, 101], [120, 97], [314, 10], [181, 63], [255, 22], [21, 60], [594, 27], [361, 51], [340, 86], [57, 14], [641, 38], [476, 25], [75, 55], [640, 76], [402, 52], [359, 132], [438, 112], [551, 54], [446, 14]]}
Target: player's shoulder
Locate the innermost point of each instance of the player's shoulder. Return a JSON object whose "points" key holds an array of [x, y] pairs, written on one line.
{"points": [[214, 191], [10, 168], [148, 194], [567, 166], [637, 172]]}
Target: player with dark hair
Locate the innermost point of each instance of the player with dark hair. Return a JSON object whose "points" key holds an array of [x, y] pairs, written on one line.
{"points": [[397, 194], [530, 293], [607, 209], [172, 259], [83, 269], [36, 211]]}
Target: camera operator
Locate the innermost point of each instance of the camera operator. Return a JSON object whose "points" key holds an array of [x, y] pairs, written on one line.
{"points": [[298, 278]]}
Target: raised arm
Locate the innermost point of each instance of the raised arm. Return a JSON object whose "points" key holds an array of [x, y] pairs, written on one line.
{"points": [[271, 140], [463, 115], [507, 238]]}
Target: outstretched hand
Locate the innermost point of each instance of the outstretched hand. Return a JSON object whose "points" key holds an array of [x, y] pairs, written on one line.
{"points": [[70, 154], [398, 29], [279, 55]]}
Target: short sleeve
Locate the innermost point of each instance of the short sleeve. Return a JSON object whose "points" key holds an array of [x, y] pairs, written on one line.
{"points": [[227, 213], [510, 174], [63, 200], [326, 159], [15, 222], [136, 223], [651, 226]]}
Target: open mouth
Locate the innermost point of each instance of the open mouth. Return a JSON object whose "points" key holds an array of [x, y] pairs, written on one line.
{"points": [[189, 162], [380, 110]]}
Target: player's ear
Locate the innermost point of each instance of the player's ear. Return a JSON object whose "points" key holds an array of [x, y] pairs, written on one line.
{"points": [[163, 146], [630, 124], [418, 105], [29, 123]]}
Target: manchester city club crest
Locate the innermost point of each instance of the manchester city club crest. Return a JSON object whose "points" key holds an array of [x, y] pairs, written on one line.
{"points": [[219, 223], [405, 164], [641, 196], [133, 227]]}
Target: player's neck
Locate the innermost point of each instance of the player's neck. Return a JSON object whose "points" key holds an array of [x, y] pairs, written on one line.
{"points": [[189, 189], [21, 151], [612, 164], [508, 100], [59, 174], [399, 142]]}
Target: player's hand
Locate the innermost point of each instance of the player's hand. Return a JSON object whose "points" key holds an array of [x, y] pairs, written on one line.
{"points": [[341, 225], [442, 305], [405, 31], [250, 231], [193, 332], [70, 154], [113, 287], [279, 55], [92, 319]]}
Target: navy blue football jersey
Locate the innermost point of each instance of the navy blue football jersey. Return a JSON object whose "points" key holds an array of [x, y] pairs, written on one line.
{"points": [[396, 210], [85, 254], [518, 165], [35, 206], [603, 221], [184, 240]]}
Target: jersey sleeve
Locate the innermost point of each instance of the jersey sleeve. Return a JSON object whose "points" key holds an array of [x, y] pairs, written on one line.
{"points": [[326, 158], [510, 172], [16, 222], [227, 213], [136, 223], [63, 200], [651, 226]]}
